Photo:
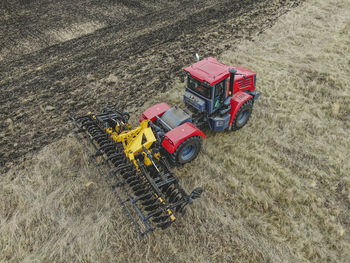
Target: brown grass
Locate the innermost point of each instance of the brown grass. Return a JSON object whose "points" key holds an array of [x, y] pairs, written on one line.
{"points": [[276, 191]]}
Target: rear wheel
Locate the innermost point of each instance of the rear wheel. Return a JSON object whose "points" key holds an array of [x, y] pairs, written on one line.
{"points": [[187, 151], [242, 115]]}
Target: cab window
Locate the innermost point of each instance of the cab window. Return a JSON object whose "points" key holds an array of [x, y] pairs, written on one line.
{"points": [[219, 94], [219, 88], [199, 87]]}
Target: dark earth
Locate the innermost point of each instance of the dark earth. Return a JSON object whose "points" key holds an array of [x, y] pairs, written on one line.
{"points": [[63, 58]]}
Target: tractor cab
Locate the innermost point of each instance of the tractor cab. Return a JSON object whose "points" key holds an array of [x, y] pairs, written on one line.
{"points": [[204, 96], [208, 84]]}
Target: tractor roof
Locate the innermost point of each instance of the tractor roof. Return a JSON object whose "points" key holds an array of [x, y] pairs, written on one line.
{"points": [[212, 71]]}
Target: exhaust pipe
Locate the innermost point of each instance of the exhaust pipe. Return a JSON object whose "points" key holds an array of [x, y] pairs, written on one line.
{"points": [[233, 72]]}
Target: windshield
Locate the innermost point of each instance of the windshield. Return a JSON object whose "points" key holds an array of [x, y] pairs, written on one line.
{"points": [[199, 87]]}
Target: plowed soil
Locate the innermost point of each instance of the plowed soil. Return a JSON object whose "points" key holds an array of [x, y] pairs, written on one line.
{"points": [[63, 58]]}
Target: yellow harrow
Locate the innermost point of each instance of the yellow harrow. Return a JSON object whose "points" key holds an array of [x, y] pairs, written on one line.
{"points": [[131, 162]]}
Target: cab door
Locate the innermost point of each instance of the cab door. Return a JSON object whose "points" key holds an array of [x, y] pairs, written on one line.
{"points": [[219, 94]]}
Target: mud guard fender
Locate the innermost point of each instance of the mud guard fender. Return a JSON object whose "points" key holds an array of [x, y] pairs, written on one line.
{"points": [[237, 101], [176, 136], [154, 111]]}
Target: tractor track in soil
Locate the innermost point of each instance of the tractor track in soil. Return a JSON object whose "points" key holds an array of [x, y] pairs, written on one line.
{"points": [[121, 64]]}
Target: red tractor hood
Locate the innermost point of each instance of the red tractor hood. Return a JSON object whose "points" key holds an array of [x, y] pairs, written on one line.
{"points": [[212, 71]]}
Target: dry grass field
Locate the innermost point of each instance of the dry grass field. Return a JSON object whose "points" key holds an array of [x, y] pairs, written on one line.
{"points": [[277, 190]]}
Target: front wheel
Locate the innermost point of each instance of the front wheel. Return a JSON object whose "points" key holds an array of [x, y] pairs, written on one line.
{"points": [[242, 115], [187, 151]]}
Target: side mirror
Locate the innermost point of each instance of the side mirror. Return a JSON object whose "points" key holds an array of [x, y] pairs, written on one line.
{"points": [[197, 56], [227, 101], [182, 78]]}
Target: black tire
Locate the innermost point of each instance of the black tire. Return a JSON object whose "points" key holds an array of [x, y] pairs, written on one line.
{"points": [[242, 115], [187, 150]]}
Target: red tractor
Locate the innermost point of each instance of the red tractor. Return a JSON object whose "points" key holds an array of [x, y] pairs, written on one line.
{"points": [[217, 96], [133, 159]]}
